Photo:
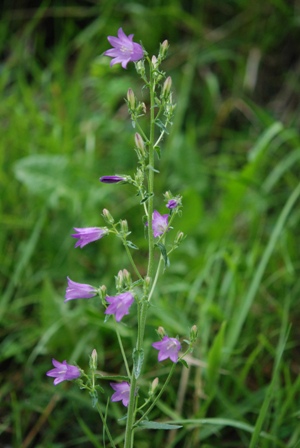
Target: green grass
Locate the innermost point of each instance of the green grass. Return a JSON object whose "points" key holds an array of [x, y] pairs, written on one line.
{"points": [[234, 155]]}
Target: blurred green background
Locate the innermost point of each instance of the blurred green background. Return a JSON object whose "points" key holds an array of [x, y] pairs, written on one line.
{"points": [[233, 153]]}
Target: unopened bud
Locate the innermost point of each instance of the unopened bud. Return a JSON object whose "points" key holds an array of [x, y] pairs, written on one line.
{"points": [[154, 385], [167, 87], [102, 292], [161, 332], [107, 216], [154, 61], [127, 277], [124, 226], [93, 360], [164, 48], [131, 99], [193, 333], [179, 237], [139, 143], [119, 280]]}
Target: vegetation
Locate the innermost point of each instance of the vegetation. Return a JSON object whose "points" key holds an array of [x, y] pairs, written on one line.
{"points": [[234, 155]]}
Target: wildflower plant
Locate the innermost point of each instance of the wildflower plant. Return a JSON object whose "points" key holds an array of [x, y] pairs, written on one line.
{"points": [[135, 287]]}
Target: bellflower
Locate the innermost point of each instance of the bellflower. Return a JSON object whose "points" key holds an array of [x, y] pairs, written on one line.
{"points": [[87, 235], [168, 348], [112, 179], [172, 203], [124, 49], [122, 392], [79, 291], [63, 371], [159, 223], [119, 305]]}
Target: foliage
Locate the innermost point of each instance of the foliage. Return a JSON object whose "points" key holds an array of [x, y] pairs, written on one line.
{"points": [[234, 155]]}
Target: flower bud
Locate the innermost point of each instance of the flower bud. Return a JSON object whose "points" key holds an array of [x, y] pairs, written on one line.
{"points": [[154, 61], [167, 87], [161, 332], [139, 143], [127, 278], [179, 238], [119, 280], [107, 216], [193, 333], [131, 99], [124, 226], [163, 49], [154, 385], [93, 360], [102, 293]]}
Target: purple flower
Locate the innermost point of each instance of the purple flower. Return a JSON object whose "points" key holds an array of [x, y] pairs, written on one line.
{"points": [[172, 203], [122, 391], [87, 235], [79, 291], [112, 179], [159, 223], [168, 348], [63, 371], [125, 50], [119, 305]]}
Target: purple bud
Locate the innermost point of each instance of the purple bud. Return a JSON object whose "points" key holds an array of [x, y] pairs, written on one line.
{"points": [[112, 179]]}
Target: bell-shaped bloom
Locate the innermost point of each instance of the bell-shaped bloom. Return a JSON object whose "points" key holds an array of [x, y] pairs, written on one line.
{"points": [[63, 372], [122, 392], [87, 235], [119, 305], [124, 49], [111, 179], [79, 291], [168, 348], [172, 203], [159, 223]]}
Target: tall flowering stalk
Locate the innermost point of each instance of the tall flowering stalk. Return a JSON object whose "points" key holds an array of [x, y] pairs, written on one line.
{"points": [[158, 226]]}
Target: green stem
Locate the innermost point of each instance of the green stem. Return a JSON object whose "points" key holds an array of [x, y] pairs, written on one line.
{"points": [[158, 395], [105, 426], [129, 432], [132, 261], [122, 350]]}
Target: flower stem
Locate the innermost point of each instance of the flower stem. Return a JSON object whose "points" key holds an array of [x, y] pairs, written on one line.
{"points": [[105, 426], [129, 432]]}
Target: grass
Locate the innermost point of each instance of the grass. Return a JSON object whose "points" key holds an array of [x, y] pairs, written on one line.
{"points": [[233, 153]]}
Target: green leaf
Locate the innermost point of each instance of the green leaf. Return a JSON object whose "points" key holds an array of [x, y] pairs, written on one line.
{"points": [[184, 363], [138, 359], [214, 359], [131, 245], [156, 425], [164, 254]]}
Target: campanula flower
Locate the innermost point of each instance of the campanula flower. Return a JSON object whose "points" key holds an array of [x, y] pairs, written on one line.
{"points": [[119, 305], [122, 392], [124, 49], [87, 235], [159, 223], [172, 203], [111, 179], [168, 348], [79, 291], [63, 372]]}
